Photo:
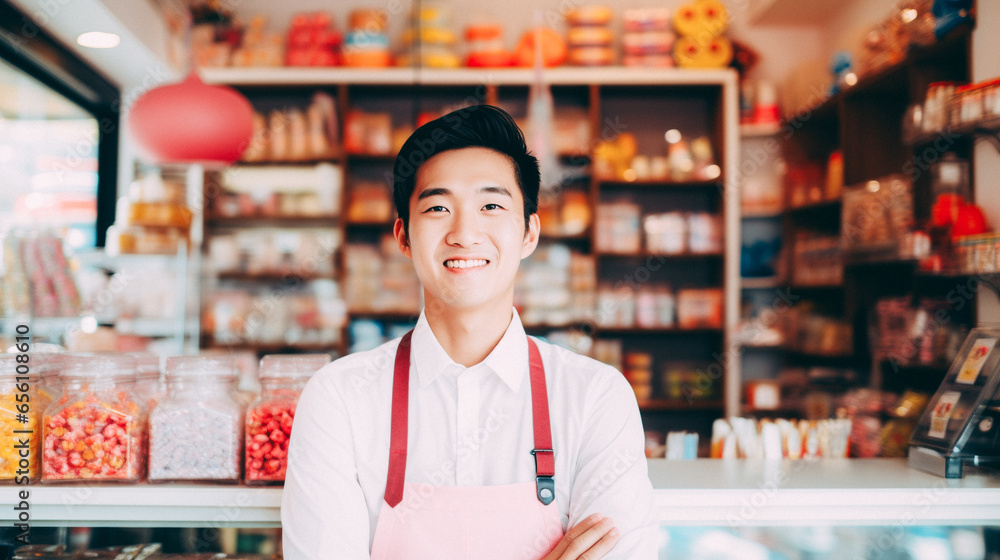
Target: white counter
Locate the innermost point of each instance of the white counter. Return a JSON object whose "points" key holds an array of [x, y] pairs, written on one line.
{"points": [[832, 492], [704, 492]]}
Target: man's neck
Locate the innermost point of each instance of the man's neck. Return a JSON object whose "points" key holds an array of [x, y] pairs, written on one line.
{"points": [[468, 336]]}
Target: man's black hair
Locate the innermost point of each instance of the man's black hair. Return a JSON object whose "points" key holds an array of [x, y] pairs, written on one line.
{"points": [[482, 126]]}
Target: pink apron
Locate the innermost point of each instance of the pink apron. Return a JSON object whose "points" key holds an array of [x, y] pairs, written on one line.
{"points": [[511, 521]]}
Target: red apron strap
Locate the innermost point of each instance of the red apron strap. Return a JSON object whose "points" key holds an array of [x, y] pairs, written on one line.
{"points": [[545, 463], [400, 415]]}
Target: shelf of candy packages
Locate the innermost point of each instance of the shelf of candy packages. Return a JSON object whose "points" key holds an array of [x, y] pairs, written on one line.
{"points": [[684, 160], [648, 38], [818, 260], [37, 281], [430, 40], [623, 229], [882, 422], [618, 226], [590, 36], [556, 286], [310, 314], [808, 332], [749, 438], [143, 296], [367, 42], [675, 233], [293, 134], [648, 307], [284, 254], [154, 218], [380, 279], [905, 333]]}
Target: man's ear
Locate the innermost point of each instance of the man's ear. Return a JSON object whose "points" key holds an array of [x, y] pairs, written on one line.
{"points": [[399, 232], [531, 235]]}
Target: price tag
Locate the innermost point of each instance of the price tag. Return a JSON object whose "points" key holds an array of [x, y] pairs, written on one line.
{"points": [[975, 360]]}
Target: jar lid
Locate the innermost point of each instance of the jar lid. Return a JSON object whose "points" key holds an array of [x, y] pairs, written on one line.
{"points": [[42, 364], [292, 365], [9, 366], [147, 365], [47, 364], [216, 367], [97, 365]]}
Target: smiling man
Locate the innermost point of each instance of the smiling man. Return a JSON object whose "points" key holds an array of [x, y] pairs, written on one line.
{"points": [[466, 438]]}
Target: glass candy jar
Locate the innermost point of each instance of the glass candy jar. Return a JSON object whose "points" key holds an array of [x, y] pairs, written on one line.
{"points": [[48, 366], [95, 431], [196, 430], [19, 414], [269, 418], [149, 384]]}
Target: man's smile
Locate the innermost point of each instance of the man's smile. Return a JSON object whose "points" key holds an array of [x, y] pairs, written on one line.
{"points": [[465, 263]]}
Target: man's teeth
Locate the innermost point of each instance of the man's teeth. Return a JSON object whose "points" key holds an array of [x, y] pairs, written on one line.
{"points": [[465, 264]]}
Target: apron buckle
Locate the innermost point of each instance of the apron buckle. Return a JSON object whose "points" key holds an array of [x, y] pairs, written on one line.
{"points": [[546, 489], [545, 485]]}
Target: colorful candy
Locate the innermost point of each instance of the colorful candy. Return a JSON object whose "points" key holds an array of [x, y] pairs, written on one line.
{"points": [[96, 430], [19, 446], [196, 431], [88, 438], [195, 443], [269, 418], [268, 429]]}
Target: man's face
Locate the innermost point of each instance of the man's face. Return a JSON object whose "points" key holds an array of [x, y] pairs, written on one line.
{"points": [[467, 235]]}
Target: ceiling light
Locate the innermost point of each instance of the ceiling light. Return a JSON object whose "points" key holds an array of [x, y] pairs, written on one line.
{"points": [[98, 40]]}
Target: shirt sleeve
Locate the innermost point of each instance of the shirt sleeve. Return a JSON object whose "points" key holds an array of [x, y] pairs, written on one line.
{"points": [[612, 476], [323, 511]]}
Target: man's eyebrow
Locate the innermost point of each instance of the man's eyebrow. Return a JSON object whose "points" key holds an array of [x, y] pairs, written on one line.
{"points": [[496, 190], [439, 191]]}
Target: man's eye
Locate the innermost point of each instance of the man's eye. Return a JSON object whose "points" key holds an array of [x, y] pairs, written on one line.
{"points": [[492, 207], [436, 209]]}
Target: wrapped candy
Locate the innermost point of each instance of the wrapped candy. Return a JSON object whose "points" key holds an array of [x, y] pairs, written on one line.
{"points": [[95, 431], [18, 418], [269, 419], [196, 432]]}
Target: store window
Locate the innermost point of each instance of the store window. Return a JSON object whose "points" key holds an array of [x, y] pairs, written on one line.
{"points": [[48, 160]]}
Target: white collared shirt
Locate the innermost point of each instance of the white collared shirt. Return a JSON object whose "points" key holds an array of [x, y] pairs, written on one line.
{"points": [[467, 427]]}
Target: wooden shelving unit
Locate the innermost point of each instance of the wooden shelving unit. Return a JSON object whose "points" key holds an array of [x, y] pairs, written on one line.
{"points": [[706, 99], [272, 221], [864, 122]]}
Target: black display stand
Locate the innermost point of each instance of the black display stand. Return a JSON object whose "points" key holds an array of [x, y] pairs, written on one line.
{"points": [[961, 425]]}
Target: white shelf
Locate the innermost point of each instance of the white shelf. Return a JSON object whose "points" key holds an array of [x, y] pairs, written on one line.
{"points": [[149, 505], [99, 259], [46, 327], [704, 492], [843, 492], [153, 327], [612, 75]]}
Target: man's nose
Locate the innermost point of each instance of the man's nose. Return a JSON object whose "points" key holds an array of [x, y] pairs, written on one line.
{"points": [[465, 230]]}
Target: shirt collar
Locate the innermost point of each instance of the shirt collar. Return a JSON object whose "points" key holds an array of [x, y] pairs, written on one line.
{"points": [[508, 360]]}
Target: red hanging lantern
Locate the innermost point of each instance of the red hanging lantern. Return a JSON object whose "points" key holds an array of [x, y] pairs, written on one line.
{"points": [[191, 122]]}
